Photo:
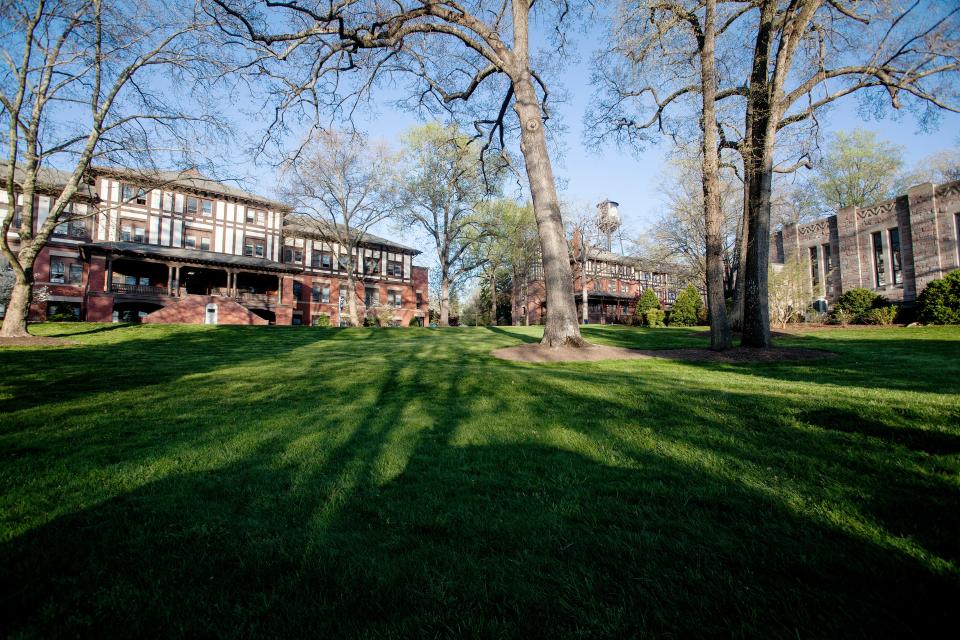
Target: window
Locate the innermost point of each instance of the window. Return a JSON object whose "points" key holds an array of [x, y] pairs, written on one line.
{"points": [[192, 205], [596, 285], [371, 265], [75, 273], [207, 206], [134, 194], [879, 273], [292, 255], [56, 270], [166, 202], [814, 268], [261, 218], [321, 293], [395, 268], [297, 290], [371, 296], [344, 261], [205, 244], [250, 216], [394, 299], [827, 262], [253, 247], [190, 242], [624, 287], [419, 299], [321, 260], [126, 233], [612, 287], [896, 269]]}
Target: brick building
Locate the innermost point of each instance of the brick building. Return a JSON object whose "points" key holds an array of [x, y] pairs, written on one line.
{"points": [[894, 248], [614, 284], [180, 247]]}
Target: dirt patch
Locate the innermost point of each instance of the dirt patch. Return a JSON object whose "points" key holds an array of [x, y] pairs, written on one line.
{"points": [[34, 341], [539, 353]]}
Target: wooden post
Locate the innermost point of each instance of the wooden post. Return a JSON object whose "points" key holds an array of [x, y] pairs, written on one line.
{"points": [[176, 280], [108, 283], [279, 289], [169, 279]]}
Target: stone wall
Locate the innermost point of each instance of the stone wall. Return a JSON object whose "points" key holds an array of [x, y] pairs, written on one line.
{"points": [[926, 218]]}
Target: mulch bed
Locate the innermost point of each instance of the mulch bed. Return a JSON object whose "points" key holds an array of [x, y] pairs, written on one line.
{"points": [[34, 341], [538, 353]]}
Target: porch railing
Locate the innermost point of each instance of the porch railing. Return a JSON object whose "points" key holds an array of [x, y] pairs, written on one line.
{"points": [[138, 290], [261, 299]]}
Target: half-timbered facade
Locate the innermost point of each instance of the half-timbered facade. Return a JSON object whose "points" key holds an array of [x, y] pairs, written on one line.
{"points": [[614, 283], [181, 247]]}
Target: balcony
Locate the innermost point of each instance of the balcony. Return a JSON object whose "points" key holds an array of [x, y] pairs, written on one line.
{"points": [[138, 290]]}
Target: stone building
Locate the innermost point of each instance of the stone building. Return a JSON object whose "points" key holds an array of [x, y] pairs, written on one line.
{"points": [[181, 247], [894, 248]]}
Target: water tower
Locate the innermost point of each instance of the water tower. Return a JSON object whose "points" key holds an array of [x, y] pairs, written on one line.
{"points": [[608, 219]]}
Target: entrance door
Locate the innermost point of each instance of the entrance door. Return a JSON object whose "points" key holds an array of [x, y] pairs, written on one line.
{"points": [[211, 316]]}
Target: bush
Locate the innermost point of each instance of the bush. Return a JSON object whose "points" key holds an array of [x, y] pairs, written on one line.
{"points": [[883, 316], [654, 317], [63, 316], [322, 320], [857, 303], [686, 307], [647, 301], [841, 317], [703, 315], [939, 302]]}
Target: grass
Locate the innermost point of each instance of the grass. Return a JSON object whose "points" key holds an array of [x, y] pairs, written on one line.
{"points": [[287, 482]]}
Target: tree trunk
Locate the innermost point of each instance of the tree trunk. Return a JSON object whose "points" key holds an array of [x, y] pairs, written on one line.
{"points": [[514, 297], [720, 338], [444, 301], [758, 167], [493, 297], [352, 298], [561, 327], [584, 308], [15, 320]]}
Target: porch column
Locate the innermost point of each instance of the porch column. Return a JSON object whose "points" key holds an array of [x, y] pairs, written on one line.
{"points": [[176, 280], [109, 280], [279, 289], [169, 279]]}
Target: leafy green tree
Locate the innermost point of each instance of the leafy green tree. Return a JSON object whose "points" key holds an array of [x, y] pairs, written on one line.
{"points": [[940, 300], [647, 301], [857, 169], [686, 307], [442, 185]]}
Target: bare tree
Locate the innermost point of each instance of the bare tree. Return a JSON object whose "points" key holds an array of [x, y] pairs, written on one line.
{"points": [[581, 222], [80, 81], [804, 55], [456, 53], [680, 232], [341, 185], [442, 186]]}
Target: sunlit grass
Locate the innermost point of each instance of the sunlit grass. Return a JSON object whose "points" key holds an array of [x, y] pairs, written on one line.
{"points": [[249, 482]]}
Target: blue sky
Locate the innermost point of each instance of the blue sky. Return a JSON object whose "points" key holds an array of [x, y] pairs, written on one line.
{"points": [[589, 177]]}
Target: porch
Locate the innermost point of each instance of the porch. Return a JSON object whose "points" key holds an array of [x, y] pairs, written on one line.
{"points": [[162, 275]]}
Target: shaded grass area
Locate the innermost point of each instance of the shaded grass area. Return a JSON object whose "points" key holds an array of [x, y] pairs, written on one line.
{"points": [[278, 482]]}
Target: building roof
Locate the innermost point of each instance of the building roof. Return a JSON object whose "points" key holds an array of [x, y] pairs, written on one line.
{"points": [[191, 255], [189, 179], [51, 180], [602, 255], [308, 225]]}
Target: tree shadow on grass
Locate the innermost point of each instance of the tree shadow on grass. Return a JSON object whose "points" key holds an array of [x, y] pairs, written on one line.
{"points": [[846, 421], [400, 528]]}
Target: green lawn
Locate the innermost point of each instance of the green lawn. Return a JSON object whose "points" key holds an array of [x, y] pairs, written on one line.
{"points": [[282, 482]]}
